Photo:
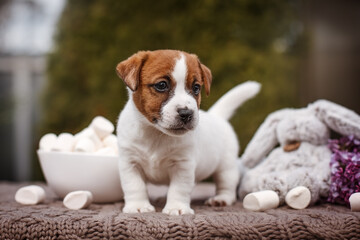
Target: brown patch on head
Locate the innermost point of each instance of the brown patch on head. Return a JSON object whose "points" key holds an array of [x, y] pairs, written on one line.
{"points": [[197, 73], [193, 76], [206, 77], [129, 70], [149, 67]]}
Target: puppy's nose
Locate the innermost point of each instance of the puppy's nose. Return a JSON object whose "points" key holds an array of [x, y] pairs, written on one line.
{"points": [[185, 114]]}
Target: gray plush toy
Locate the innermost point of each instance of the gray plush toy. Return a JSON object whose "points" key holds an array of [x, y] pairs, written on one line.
{"points": [[288, 155]]}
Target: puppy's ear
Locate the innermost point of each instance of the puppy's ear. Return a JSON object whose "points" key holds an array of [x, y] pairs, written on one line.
{"points": [[207, 78], [129, 70]]}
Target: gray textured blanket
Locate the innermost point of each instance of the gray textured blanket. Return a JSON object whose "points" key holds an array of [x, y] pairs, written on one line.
{"points": [[51, 220]]}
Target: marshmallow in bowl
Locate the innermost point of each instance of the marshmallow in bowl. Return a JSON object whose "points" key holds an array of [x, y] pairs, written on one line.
{"points": [[90, 134], [102, 126], [64, 143], [106, 151], [85, 145], [47, 141], [97, 138], [111, 141]]}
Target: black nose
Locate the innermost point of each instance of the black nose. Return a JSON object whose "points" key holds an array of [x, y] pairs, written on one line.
{"points": [[185, 114]]}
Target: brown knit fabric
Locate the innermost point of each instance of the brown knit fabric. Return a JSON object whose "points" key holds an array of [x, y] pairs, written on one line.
{"points": [[51, 220]]}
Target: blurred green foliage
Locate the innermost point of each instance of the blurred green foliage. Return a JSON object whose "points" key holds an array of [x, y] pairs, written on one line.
{"points": [[238, 40]]}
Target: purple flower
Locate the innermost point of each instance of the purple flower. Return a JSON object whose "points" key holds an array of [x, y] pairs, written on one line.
{"points": [[345, 169]]}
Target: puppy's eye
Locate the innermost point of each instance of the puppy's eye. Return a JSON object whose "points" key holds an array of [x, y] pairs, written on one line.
{"points": [[196, 89], [162, 86]]}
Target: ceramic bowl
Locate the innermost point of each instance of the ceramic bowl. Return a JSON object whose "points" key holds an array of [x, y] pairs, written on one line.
{"points": [[66, 172]]}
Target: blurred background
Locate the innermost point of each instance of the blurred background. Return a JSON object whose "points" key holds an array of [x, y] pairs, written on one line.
{"points": [[58, 58]]}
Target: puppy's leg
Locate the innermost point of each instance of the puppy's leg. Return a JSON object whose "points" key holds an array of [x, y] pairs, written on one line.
{"points": [[226, 181], [182, 181], [134, 188]]}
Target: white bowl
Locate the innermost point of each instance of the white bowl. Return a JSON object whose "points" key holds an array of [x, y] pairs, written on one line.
{"points": [[67, 172]]}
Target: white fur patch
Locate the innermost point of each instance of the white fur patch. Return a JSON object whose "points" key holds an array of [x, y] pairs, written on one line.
{"points": [[179, 73]]}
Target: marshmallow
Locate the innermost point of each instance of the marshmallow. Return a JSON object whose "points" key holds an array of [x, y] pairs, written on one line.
{"points": [[47, 141], [298, 197], [30, 195], [64, 143], [106, 151], [91, 134], [102, 126], [78, 200], [111, 141], [355, 202], [261, 201], [85, 145]]}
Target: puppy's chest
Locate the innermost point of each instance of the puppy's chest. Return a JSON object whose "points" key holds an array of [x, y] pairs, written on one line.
{"points": [[156, 159]]}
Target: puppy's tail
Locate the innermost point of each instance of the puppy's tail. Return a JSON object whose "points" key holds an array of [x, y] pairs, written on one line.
{"points": [[228, 103]]}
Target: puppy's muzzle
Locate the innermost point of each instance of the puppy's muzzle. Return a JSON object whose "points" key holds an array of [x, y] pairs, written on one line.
{"points": [[185, 115]]}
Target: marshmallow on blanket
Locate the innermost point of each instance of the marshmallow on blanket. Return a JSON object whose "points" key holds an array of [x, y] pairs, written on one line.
{"points": [[78, 200], [355, 202], [298, 197], [30, 195], [261, 201]]}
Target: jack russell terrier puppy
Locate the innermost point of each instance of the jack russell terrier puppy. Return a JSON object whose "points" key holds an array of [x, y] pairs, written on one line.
{"points": [[165, 139]]}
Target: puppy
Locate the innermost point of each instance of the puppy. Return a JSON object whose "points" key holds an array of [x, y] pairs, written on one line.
{"points": [[165, 139]]}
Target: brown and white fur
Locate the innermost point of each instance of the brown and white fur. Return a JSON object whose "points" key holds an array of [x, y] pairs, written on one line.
{"points": [[165, 139]]}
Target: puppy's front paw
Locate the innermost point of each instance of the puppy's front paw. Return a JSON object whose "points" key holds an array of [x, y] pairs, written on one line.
{"points": [[177, 209], [220, 201], [138, 207]]}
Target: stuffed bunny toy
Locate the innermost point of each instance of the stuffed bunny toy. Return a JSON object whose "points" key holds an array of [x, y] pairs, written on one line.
{"points": [[289, 155]]}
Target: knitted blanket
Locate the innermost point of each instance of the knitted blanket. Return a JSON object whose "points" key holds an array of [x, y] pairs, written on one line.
{"points": [[51, 220]]}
